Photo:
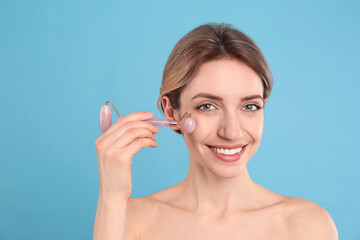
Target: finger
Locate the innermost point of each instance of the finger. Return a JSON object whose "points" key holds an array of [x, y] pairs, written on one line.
{"points": [[134, 124], [135, 116], [108, 139], [127, 138], [130, 150]]}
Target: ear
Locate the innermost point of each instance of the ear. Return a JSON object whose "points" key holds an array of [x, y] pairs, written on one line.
{"points": [[265, 101], [170, 113]]}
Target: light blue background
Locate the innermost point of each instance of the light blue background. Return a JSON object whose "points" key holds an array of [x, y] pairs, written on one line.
{"points": [[61, 60]]}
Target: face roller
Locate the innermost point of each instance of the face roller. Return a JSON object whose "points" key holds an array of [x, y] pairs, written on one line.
{"points": [[186, 123]]}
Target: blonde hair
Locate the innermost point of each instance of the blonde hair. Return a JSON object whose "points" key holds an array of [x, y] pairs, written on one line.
{"points": [[208, 42]]}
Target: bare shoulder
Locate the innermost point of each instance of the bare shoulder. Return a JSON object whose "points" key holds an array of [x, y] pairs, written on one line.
{"points": [[138, 214], [308, 220]]}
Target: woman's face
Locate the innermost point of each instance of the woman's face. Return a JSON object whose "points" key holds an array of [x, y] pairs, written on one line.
{"points": [[216, 100]]}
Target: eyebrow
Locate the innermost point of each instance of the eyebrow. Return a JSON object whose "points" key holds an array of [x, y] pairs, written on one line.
{"points": [[210, 96]]}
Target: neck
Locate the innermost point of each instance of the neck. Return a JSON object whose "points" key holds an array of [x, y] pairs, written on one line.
{"points": [[207, 193]]}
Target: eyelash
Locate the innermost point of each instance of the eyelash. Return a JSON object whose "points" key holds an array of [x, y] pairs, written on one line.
{"points": [[258, 107]]}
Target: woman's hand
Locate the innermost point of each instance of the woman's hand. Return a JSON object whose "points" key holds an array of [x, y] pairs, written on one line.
{"points": [[116, 148]]}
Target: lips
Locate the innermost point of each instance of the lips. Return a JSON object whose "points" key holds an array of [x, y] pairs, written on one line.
{"points": [[227, 146], [229, 158]]}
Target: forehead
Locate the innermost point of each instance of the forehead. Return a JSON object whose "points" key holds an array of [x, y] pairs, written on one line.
{"points": [[226, 78]]}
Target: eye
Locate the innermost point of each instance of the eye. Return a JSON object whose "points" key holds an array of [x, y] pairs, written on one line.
{"points": [[206, 107], [251, 107]]}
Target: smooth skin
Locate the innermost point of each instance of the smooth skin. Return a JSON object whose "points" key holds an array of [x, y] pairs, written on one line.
{"points": [[218, 200]]}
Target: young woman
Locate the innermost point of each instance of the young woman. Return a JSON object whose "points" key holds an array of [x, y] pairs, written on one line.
{"points": [[220, 76]]}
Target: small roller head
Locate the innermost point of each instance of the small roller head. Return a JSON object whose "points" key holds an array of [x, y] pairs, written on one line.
{"points": [[105, 118], [189, 125]]}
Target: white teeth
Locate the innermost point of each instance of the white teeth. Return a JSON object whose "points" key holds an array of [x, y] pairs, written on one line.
{"points": [[227, 151]]}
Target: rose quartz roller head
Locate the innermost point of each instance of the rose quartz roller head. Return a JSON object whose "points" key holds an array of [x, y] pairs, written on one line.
{"points": [[187, 124]]}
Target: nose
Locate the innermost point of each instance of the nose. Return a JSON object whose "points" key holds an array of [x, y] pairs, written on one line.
{"points": [[231, 128]]}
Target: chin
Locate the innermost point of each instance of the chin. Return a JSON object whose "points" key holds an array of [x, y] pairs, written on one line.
{"points": [[228, 172]]}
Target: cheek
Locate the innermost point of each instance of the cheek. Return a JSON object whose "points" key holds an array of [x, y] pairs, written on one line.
{"points": [[205, 126], [254, 127]]}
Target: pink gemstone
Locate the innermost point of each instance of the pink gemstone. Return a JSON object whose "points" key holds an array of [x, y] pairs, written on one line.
{"points": [[105, 118], [189, 125]]}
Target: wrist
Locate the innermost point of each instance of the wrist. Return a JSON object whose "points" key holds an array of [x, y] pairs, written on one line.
{"points": [[113, 197]]}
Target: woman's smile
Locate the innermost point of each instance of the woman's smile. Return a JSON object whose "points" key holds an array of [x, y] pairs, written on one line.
{"points": [[228, 154]]}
